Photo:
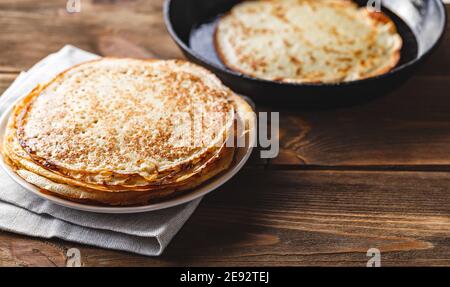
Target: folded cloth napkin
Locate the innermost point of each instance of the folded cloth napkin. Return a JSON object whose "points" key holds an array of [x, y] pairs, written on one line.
{"points": [[25, 213]]}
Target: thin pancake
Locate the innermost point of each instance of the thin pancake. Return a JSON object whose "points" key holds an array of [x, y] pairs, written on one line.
{"points": [[21, 158], [49, 123], [121, 198], [307, 41], [116, 116], [88, 196]]}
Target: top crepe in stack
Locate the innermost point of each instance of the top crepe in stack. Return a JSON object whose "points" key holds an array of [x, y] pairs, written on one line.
{"points": [[124, 131]]}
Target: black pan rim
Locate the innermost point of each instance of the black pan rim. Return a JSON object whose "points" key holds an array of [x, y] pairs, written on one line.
{"points": [[210, 65]]}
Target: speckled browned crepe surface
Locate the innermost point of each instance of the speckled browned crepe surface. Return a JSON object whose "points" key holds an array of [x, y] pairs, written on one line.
{"points": [[111, 131], [307, 41]]}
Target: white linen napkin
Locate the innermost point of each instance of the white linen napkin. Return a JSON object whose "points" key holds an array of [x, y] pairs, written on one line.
{"points": [[25, 213]]}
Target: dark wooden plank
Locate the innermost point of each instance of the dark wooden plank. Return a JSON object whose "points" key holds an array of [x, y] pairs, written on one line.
{"points": [[33, 29], [407, 127], [20, 251], [273, 218], [5, 80]]}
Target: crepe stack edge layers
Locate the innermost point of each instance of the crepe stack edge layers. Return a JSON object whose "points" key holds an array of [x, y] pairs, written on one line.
{"points": [[90, 134]]}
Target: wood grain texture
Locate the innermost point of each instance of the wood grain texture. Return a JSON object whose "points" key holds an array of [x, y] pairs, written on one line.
{"points": [[319, 218], [5, 80], [409, 127], [375, 175], [19, 251], [30, 30], [279, 218]]}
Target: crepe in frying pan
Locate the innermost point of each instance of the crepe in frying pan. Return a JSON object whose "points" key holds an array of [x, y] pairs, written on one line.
{"points": [[307, 41]]}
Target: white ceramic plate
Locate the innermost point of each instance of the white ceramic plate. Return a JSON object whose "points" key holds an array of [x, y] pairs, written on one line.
{"points": [[241, 157]]}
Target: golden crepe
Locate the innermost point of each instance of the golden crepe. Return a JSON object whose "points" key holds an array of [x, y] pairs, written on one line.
{"points": [[124, 131], [307, 41]]}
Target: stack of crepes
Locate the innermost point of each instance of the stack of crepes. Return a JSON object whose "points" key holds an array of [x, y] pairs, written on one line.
{"points": [[125, 131]]}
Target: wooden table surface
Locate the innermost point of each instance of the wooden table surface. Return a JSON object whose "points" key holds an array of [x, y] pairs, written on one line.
{"points": [[376, 175]]}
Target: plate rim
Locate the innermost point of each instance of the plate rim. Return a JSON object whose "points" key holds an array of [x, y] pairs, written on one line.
{"points": [[204, 189]]}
